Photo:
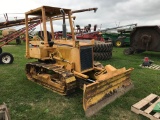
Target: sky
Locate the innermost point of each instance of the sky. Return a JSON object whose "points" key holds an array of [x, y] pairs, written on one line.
{"points": [[110, 13]]}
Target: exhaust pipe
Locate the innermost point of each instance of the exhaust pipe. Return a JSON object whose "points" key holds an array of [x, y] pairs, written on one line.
{"points": [[64, 24]]}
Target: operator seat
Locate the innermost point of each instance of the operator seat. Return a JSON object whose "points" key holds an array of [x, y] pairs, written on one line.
{"points": [[41, 35]]}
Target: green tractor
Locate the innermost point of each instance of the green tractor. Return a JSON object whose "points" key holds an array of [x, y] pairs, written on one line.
{"points": [[121, 37]]}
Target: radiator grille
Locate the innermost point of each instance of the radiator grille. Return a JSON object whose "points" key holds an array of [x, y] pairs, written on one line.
{"points": [[86, 58]]}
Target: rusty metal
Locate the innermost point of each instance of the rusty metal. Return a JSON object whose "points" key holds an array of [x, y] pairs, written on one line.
{"points": [[18, 22], [144, 38], [83, 10], [10, 23], [16, 34], [62, 82]]}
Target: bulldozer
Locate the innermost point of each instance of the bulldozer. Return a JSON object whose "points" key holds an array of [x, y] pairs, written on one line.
{"points": [[64, 65]]}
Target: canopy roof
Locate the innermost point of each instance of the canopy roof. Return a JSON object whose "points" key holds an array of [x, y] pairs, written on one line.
{"points": [[49, 11]]}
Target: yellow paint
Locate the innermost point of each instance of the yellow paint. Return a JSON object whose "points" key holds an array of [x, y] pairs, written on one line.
{"points": [[94, 92], [71, 79]]}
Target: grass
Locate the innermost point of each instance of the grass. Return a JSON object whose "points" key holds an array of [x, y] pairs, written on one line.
{"points": [[29, 101]]}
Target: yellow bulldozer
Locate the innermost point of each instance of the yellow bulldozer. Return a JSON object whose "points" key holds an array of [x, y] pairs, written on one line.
{"points": [[64, 65]]}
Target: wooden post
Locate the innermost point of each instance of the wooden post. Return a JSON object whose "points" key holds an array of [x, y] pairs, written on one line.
{"points": [[44, 27]]}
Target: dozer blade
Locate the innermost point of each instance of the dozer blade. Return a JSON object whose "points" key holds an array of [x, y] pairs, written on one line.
{"points": [[106, 89]]}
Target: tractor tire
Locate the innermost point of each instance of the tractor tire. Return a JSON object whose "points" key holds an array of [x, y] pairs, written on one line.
{"points": [[102, 55], [103, 47], [0, 50], [6, 58]]}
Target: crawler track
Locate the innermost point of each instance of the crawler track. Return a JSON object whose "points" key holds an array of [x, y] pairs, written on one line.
{"points": [[51, 76]]}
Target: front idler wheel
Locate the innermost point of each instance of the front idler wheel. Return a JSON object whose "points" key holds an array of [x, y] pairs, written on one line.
{"points": [[6, 58]]}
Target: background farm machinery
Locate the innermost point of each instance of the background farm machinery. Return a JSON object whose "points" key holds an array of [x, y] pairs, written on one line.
{"points": [[144, 38], [119, 36], [10, 35]]}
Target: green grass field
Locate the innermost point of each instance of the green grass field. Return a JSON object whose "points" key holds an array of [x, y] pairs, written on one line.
{"points": [[28, 101]]}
